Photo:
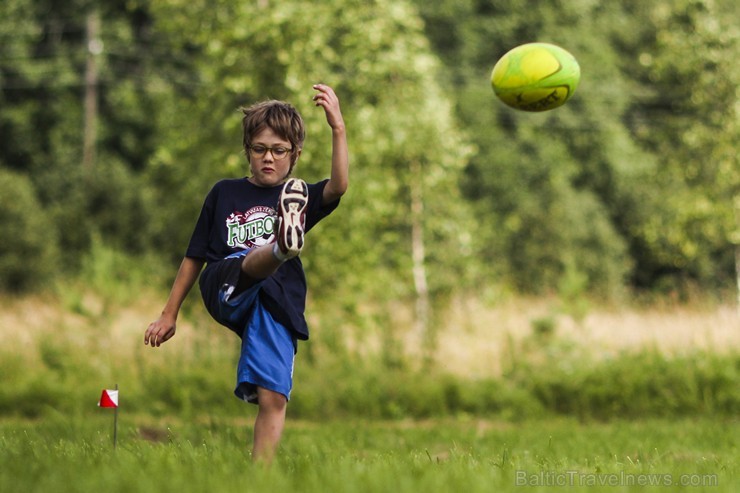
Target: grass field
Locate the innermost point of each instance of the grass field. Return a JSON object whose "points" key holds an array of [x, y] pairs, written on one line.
{"points": [[469, 455], [517, 397]]}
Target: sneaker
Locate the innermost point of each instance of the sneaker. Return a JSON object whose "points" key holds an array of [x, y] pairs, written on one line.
{"points": [[291, 219]]}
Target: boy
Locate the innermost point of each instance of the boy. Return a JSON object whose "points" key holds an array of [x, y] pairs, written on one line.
{"points": [[253, 282]]}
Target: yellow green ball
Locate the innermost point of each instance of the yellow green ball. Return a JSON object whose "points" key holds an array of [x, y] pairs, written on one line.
{"points": [[535, 77]]}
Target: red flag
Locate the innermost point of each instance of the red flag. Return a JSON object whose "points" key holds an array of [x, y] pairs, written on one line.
{"points": [[109, 398]]}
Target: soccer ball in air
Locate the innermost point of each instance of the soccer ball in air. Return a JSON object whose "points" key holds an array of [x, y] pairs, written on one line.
{"points": [[535, 77]]}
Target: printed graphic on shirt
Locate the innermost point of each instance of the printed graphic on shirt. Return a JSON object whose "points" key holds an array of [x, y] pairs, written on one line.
{"points": [[252, 228]]}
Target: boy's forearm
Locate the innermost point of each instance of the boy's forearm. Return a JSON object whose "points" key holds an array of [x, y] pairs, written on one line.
{"points": [[187, 274], [339, 162]]}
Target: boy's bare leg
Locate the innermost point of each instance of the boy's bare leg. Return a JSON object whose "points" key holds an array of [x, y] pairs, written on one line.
{"points": [[260, 263], [268, 427]]}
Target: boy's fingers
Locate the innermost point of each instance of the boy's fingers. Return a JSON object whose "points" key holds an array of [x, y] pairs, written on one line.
{"points": [[151, 336], [323, 88]]}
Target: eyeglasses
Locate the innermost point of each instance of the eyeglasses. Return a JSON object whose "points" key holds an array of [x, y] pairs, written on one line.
{"points": [[277, 152]]}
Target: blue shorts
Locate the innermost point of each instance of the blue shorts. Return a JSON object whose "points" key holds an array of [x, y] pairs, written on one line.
{"points": [[268, 348]]}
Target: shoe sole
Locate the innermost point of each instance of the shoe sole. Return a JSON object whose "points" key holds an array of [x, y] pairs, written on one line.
{"points": [[292, 213]]}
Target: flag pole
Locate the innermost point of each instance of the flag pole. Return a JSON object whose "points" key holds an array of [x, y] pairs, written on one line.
{"points": [[115, 424]]}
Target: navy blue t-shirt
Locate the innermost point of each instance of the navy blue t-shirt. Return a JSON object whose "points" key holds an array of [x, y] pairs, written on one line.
{"points": [[236, 215]]}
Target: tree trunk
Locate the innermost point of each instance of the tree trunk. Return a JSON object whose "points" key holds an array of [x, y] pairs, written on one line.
{"points": [[736, 239], [418, 253], [94, 48]]}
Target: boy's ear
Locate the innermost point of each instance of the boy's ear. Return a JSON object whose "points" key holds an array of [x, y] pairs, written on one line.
{"points": [[297, 155]]}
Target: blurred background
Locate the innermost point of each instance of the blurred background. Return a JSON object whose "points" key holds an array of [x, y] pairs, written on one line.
{"points": [[473, 238]]}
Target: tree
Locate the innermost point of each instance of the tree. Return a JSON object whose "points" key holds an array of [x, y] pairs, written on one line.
{"points": [[686, 115], [27, 243], [540, 220], [42, 86]]}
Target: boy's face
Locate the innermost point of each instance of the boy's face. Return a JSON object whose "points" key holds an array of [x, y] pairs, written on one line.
{"points": [[269, 169]]}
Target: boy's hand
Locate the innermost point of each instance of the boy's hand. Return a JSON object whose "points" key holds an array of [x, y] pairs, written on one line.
{"points": [[159, 331], [329, 101]]}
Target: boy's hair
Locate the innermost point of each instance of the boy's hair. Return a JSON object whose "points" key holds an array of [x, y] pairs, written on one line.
{"points": [[279, 116]]}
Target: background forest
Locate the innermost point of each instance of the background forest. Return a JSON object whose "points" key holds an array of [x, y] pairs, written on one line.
{"points": [[117, 117], [484, 262]]}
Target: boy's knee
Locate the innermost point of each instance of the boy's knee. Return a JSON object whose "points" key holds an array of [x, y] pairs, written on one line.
{"points": [[270, 400]]}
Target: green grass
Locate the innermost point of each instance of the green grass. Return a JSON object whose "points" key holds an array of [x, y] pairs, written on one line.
{"points": [[468, 455], [558, 413]]}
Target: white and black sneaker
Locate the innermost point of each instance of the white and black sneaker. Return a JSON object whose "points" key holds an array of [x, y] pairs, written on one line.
{"points": [[291, 219]]}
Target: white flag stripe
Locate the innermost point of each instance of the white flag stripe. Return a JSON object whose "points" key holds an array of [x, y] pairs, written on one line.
{"points": [[113, 394]]}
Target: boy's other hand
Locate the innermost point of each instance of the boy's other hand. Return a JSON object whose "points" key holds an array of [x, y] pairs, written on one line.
{"points": [[159, 331]]}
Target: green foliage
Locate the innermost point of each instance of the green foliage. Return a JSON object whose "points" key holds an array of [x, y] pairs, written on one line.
{"points": [[28, 252], [542, 382], [638, 152], [538, 220], [42, 61], [115, 276], [33, 394], [545, 377], [686, 115], [632, 183], [634, 386]]}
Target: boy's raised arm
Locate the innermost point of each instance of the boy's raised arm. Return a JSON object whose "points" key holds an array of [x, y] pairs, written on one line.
{"points": [[339, 180]]}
